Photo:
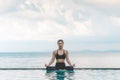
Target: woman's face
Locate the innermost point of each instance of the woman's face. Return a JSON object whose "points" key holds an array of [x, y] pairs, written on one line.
{"points": [[60, 44]]}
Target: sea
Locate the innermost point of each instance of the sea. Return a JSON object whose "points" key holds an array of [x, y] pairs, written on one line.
{"points": [[88, 66]]}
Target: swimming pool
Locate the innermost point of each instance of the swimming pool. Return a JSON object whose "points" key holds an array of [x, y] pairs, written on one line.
{"points": [[60, 75], [81, 61]]}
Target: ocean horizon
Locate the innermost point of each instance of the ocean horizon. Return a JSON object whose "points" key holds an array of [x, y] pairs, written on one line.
{"points": [[49, 53], [39, 59]]}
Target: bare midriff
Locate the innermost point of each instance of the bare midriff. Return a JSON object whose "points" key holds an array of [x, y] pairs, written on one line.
{"points": [[60, 60]]}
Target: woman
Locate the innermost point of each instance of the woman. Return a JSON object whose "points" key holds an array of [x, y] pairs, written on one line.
{"points": [[60, 54]]}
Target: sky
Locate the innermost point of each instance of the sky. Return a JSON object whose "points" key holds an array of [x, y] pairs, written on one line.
{"points": [[36, 25]]}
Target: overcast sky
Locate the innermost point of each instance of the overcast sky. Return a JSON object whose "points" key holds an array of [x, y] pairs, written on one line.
{"points": [[36, 25]]}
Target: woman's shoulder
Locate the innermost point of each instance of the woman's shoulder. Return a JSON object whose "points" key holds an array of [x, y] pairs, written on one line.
{"points": [[54, 51], [65, 51]]}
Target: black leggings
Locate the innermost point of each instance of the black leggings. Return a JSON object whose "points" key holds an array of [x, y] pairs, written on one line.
{"points": [[60, 65]]}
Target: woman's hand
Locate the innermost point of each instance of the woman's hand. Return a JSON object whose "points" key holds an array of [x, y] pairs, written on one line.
{"points": [[73, 65], [46, 65]]}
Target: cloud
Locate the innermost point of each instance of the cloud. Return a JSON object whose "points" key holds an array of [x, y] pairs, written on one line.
{"points": [[18, 29], [36, 20], [104, 3], [9, 5], [45, 9], [115, 20], [83, 29], [37, 9], [6, 4], [55, 19], [53, 30]]}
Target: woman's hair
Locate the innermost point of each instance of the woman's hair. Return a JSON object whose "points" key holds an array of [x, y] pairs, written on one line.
{"points": [[60, 40]]}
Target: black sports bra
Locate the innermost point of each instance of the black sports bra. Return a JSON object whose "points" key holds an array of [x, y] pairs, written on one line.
{"points": [[60, 56]]}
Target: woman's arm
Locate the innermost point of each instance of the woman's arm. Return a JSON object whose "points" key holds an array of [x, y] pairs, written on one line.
{"points": [[68, 60], [52, 59]]}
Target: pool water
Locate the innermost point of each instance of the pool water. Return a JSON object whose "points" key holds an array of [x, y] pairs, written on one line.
{"points": [[60, 75]]}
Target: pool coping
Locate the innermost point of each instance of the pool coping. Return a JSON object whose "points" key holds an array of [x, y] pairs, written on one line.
{"points": [[45, 68]]}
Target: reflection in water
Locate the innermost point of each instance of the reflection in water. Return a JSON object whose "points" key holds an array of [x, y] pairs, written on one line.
{"points": [[60, 74]]}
